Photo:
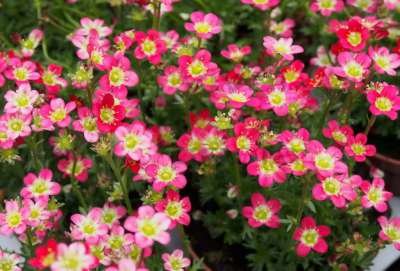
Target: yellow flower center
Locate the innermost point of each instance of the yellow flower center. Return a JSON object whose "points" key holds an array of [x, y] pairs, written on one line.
{"points": [[383, 104]]}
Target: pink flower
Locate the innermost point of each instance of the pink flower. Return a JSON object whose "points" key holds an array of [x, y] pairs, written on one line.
{"points": [[391, 4], [384, 61], [12, 220], [335, 189], [204, 25], [172, 80], [175, 208], [58, 112], [236, 96], [12, 261], [35, 212], [340, 134], [191, 146], [384, 102], [236, 53], [326, 162], [262, 4], [310, 236], [86, 125], [135, 141], [82, 165], [353, 66], [390, 230], [262, 212], [109, 113], [198, 67], [41, 186], [148, 227], [353, 35], [21, 100], [16, 125], [327, 7], [295, 141], [150, 46], [283, 28], [267, 167], [21, 71], [119, 76], [358, 149], [110, 214], [282, 47], [214, 142], [374, 195], [165, 173], [277, 98], [29, 44], [96, 25], [52, 80], [244, 142], [88, 227], [175, 261], [75, 253]]}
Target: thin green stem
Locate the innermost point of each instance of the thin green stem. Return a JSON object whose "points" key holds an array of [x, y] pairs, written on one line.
{"points": [[75, 186], [121, 179], [370, 124], [157, 14]]}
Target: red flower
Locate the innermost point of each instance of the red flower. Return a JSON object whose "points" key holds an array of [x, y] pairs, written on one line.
{"points": [[45, 255], [353, 37], [108, 114]]}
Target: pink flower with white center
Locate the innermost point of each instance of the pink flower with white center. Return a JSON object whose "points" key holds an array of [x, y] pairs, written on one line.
{"points": [[204, 25], [340, 134], [236, 53], [21, 100], [164, 173], [40, 186], [327, 7], [295, 141], [35, 212], [21, 71], [88, 227], [268, 168], [326, 162], [17, 125], [6, 142], [73, 257], [358, 149], [135, 141], [52, 80], [175, 208], [262, 4], [12, 219], [29, 44], [369, 6], [295, 164], [237, 95], [191, 146], [353, 66], [149, 226], [175, 261], [214, 142], [375, 195], [244, 142], [110, 214], [170, 38], [80, 167], [282, 47], [278, 99], [336, 190], [283, 28], [262, 212], [150, 45], [172, 80], [125, 264], [198, 67], [87, 125], [11, 261], [58, 112], [390, 230], [89, 25], [310, 237], [118, 240], [384, 61], [384, 102], [119, 74]]}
